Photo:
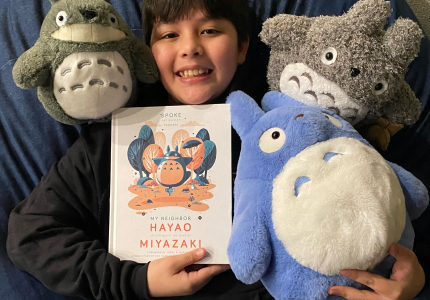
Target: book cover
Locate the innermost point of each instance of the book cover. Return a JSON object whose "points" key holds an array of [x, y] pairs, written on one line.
{"points": [[171, 182]]}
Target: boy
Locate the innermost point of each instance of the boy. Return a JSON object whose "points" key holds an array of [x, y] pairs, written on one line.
{"points": [[59, 233]]}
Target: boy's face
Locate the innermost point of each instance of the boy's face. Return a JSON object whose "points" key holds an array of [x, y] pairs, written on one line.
{"points": [[197, 56]]}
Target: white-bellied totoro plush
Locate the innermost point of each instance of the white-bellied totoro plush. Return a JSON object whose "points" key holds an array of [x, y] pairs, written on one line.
{"points": [[85, 63], [348, 64], [312, 197]]}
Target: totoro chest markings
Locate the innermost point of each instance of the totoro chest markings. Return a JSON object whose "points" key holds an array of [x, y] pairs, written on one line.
{"points": [[94, 68]]}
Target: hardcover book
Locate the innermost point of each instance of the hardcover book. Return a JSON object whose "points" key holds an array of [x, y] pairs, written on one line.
{"points": [[171, 182]]}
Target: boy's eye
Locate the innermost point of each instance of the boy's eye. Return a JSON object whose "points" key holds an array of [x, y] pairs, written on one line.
{"points": [[169, 36], [209, 31]]}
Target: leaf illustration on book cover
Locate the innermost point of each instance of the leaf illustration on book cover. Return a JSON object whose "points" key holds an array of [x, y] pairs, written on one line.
{"points": [[203, 134], [137, 147], [193, 147], [208, 160], [178, 137], [160, 139], [146, 134], [151, 152], [134, 154]]}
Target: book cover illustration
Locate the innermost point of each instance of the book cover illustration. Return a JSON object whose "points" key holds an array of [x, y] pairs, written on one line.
{"points": [[174, 177], [171, 182]]}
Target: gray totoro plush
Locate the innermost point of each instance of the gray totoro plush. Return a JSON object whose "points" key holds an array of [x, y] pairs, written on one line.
{"points": [[348, 64], [85, 62]]}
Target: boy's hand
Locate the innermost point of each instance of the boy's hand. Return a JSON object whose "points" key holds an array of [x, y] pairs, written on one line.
{"points": [[406, 281], [167, 276]]}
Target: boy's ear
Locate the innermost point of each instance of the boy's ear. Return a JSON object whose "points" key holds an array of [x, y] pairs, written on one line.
{"points": [[242, 50]]}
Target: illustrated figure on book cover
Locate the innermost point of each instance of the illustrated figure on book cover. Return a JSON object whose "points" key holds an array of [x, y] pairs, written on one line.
{"points": [[166, 178]]}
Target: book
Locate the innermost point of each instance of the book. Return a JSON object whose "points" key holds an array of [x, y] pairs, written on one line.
{"points": [[171, 186]]}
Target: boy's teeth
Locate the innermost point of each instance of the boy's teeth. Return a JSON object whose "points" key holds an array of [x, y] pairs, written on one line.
{"points": [[190, 73]]}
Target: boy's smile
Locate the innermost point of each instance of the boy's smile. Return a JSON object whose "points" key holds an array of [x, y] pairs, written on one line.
{"points": [[197, 56], [193, 73]]}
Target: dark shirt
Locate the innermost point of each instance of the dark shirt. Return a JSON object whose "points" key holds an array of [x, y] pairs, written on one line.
{"points": [[60, 233]]}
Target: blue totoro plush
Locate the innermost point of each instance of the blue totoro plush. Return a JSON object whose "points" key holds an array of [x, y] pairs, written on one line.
{"points": [[312, 197]]}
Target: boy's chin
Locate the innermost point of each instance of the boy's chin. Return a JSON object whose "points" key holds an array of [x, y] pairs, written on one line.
{"points": [[191, 101]]}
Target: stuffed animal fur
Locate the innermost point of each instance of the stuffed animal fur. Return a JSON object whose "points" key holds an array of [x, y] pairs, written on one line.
{"points": [[312, 197], [348, 64], [85, 62]]}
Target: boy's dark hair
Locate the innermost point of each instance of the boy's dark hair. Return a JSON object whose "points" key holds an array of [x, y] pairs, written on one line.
{"points": [[236, 11]]}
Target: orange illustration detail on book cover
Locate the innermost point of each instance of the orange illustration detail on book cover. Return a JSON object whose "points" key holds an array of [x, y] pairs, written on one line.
{"points": [[166, 178]]}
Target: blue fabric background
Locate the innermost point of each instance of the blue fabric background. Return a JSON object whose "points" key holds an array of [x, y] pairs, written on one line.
{"points": [[31, 141]]}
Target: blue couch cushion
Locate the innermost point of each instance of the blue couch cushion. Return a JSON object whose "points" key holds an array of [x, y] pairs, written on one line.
{"points": [[31, 141]]}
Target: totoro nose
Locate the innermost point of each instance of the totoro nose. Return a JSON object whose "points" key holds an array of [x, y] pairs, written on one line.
{"points": [[88, 14]]}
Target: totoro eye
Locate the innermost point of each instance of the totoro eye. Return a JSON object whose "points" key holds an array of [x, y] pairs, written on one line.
{"points": [[333, 120], [380, 87], [113, 20], [61, 18], [272, 140], [329, 56]]}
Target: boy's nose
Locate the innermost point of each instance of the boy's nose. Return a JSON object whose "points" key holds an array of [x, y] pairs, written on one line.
{"points": [[191, 48]]}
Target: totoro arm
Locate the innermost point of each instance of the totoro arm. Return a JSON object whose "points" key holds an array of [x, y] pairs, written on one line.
{"points": [[144, 64], [250, 252], [404, 107], [416, 194], [32, 68]]}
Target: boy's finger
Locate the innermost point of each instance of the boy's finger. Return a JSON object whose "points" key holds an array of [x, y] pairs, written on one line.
{"points": [[178, 262], [351, 293], [201, 277], [216, 269], [377, 283]]}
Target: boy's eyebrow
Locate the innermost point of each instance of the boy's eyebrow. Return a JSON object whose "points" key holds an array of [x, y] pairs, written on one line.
{"points": [[201, 19]]}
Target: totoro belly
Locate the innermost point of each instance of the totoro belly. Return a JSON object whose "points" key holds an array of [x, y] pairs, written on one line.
{"points": [[170, 173], [90, 85], [338, 205]]}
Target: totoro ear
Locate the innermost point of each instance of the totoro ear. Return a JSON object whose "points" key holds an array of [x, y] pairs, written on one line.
{"points": [[176, 148], [368, 16], [168, 149], [244, 112], [274, 100], [404, 107], [402, 41], [54, 1], [282, 30]]}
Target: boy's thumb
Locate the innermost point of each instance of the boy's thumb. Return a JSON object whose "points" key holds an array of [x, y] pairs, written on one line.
{"points": [[398, 251], [183, 260]]}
